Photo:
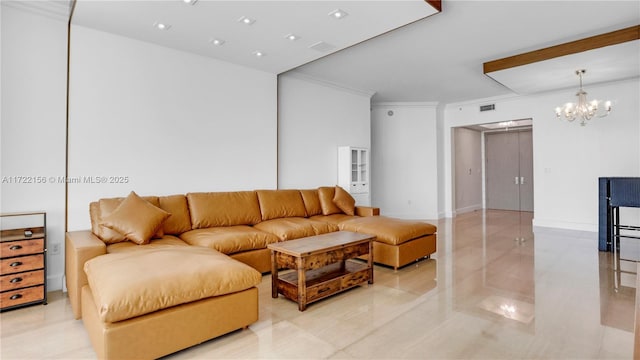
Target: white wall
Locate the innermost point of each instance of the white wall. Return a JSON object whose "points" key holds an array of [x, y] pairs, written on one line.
{"points": [[314, 119], [567, 158], [405, 160], [168, 121], [32, 131], [468, 170]]}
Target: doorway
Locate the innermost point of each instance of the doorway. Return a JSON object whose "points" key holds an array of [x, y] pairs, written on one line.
{"points": [[509, 170]]}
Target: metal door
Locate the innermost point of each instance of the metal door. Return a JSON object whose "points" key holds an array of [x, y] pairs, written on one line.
{"points": [[509, 170]]}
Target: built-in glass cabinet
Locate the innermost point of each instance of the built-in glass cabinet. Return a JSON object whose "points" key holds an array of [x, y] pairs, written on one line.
{"points": [[353, 172]]}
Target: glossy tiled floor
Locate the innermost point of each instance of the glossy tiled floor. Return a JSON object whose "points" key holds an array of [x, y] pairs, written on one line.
{"points": [[494, 291]]}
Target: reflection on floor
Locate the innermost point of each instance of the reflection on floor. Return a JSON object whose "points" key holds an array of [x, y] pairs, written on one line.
{"points": [[494, 290]]}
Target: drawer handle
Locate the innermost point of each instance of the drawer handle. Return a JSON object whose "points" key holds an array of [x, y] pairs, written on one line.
{"points": [[15, 297], [323, 290], [15, 247], [16, 280], [14, 264]]}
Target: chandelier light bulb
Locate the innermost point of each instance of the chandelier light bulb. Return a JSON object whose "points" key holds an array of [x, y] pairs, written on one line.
{"points": [[583, 109]]}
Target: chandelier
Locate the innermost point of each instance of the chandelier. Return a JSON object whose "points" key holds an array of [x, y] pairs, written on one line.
{"points": [[583, 109]]}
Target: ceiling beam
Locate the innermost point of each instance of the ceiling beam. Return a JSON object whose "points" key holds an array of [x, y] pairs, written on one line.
{"points": [[612, 38], [437, 4]]}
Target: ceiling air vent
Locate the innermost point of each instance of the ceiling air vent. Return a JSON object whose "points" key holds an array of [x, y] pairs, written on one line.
{"points": [[487, 107], [322, 46]]}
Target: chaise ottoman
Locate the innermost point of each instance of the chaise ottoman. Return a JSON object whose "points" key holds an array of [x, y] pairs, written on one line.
{"points": [[398, 242], [147, 304]]}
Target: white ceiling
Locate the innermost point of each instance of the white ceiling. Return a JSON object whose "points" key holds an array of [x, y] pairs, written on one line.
{"points": [[438, 58], [193, 26]]}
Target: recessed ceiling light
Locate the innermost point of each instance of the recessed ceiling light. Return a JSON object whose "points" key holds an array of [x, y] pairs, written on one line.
{"points": [[258, 53], [217, 42], [246, 20], [292, 37], [190, 2], [161, 26], [338, 14]]}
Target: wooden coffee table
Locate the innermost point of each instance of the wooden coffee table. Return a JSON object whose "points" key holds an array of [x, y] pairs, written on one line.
{"points": [[321, 266]]}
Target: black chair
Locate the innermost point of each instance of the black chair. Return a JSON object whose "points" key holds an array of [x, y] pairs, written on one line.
{"points": [[624, 192]]}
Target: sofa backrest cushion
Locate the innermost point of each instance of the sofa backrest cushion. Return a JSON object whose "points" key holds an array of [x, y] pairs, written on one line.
{"points": [[213, 209], [311, 202], [103, 209], [94, 213], [180, 221], [326, 195], [276, 204]]}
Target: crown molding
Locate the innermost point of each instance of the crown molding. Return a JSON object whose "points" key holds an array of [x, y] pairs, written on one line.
{"points": [[329, 84], [406, 104], [53, 9], [512, 97], [484, 101]]}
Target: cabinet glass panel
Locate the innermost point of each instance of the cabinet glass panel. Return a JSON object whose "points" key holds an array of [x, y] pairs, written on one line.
{"points": [[354, 165], [363, 165]]}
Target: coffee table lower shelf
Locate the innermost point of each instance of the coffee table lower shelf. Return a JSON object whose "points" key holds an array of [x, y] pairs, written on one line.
{"points": [[326, 281]]}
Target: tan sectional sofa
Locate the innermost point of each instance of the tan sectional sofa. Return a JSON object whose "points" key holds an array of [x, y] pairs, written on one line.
{"points": [[195, 260]]}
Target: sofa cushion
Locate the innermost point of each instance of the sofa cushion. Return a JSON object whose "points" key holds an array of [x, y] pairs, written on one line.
{"points": [[344, 201], [295, 227], [213, 209], [107, 206], [94, 215], [137, 219], [165, 241], [332, 219], [180, 220], [108, 236], [275, 204], [326, 195], [229, 239], [130, 284], [311, 202], [388, 230]]}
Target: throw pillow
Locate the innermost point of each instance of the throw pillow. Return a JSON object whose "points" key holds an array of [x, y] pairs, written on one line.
{"points": [[108, 205], [326, 195], [136, 219], [344, 201]]}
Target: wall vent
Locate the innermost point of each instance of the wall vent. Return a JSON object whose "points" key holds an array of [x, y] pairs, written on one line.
{"points": [[322, 46], [487, 107]]}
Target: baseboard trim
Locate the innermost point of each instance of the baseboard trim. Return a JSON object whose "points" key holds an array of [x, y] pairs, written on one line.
{"points": [[566, 225], [467, 209], [586, 235]]}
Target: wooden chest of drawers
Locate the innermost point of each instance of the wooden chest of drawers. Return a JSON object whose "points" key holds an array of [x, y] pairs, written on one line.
{"points": [[23, 264]]}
